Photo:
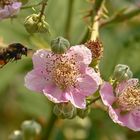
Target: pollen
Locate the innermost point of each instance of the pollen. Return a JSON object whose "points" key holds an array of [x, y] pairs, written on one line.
{"points": [[65, 74], [129, 99]]}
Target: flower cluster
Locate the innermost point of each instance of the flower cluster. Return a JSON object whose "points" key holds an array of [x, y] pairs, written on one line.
{"points": [[9, 8]]}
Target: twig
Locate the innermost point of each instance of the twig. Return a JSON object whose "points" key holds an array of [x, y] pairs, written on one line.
{"points": [[120, 18], [30, 6], [44, 3], [94, 100]]}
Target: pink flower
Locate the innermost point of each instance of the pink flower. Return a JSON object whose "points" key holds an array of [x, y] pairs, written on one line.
{"points": [[64, 77], [9, 9], [123, 103]]}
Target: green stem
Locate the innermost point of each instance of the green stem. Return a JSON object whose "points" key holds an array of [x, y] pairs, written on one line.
{"points": [[49, 127], [44, 3], [94, 100], [69, 18], [30, 6], [120, 18]]}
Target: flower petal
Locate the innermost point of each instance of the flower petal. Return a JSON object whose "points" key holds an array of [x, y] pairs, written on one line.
{"points": [[88, 84], [54, 93], [133, 121], [10, 10], [35, 81], [130, 119], [14, 8], [123, 85], [107, 94], [39, 58], [81, 54], [76, 98]]}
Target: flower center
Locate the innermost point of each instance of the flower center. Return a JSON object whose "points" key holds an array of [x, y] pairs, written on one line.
{"points": [[129, 99], [65, 74]]}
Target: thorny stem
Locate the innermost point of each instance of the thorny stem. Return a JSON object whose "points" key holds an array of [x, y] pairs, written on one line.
{"points": [[69, 18], [96, 16], [94, 100]]}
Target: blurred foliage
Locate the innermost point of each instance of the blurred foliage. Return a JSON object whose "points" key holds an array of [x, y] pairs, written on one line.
{"points": [[121, 45]]}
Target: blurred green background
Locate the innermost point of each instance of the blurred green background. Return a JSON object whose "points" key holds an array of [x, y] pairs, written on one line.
{"points": [[121, 45]]}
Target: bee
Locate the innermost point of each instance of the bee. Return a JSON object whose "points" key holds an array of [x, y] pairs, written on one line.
{"points": [[12, 53]]}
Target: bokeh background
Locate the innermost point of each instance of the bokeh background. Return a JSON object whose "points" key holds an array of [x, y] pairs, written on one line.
{"points": [[121, 45]]}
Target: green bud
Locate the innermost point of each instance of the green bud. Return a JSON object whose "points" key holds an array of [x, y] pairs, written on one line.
{"points": [[82, 113], [122, 72], [30, 129], [65, 111], [60, 45], [16, 135], [34, 24]]}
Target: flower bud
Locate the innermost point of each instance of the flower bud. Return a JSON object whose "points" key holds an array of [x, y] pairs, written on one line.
{"points": [[30, 129], [34, 24], [82, 113], [122, 72], [16, 135], [60, 45], [65, 110]]}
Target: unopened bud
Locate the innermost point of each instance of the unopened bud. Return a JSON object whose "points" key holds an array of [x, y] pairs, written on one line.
{"points": [[122, 72], [60, 45], [82, 113], [35, 24], [16, 135], [65, 111], [30, 129]]}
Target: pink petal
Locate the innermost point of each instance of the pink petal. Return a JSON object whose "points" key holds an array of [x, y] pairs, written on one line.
{"points": [[133, 122], [107, 94], [125, 84], [116, 117], [87, 84], [94, 75], [10, 10], [54, 93], [130, 119], [14, 9], [35, 81], [76, 99], [39, 58], [81, 54]]}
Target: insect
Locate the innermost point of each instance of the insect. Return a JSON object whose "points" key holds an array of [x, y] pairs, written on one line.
{"points": [[12, 53]]}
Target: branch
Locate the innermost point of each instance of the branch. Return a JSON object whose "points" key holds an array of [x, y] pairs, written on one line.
{"points": [[120, 18], [97, 9], [94, 13]]}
